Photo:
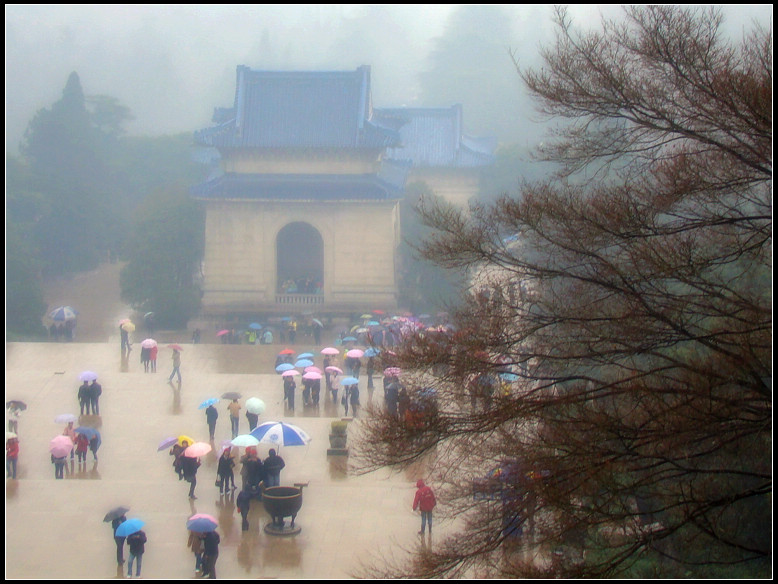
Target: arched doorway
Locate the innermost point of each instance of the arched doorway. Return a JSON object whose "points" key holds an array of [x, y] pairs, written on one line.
{"points": [[299, 259]]}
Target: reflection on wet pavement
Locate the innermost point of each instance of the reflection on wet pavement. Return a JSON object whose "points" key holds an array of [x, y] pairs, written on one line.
{"points": [[344, 519]]}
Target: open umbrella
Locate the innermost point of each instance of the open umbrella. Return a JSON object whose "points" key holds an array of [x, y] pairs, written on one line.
{"points": [[355, 353], [148, 343], [122, 321], [9, 435], [349, 339], [175, 347], [366, 316], [201, 524], [16, 404], [230, 395], [305, 356], [281, 434], [209, 402], [286, 351], [371, 352], [244, 440], [303, 363], [349, 381], [255, 326], [197, 449], [284, 367], [333, 369], [222, 332], [316, 321], [87, 376], [128, 326], [184, 438], [129, 527], [254, 405], [312, 368], [167, 443], [312, 375], [63, 313], [115, 513], [60, 445], [392, 371], [86, 431], [65, 418], [329, 351], [290, 373]]}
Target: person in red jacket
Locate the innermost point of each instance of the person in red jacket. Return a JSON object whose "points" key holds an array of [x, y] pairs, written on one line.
{"points": [[425, 502], [11, 456]]}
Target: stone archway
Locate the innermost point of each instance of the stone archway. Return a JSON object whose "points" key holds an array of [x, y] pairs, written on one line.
{"points": [[300, 258]]}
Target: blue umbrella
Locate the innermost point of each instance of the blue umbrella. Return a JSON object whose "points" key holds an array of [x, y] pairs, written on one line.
{"points": [[284, 367], [209, 402], [129, 527], [371, 352], [281, 434], [303, 363], [350, 339], [255, 325], [63, 313], [201, 524], [349, 381], [305, 356], [86, 431]]}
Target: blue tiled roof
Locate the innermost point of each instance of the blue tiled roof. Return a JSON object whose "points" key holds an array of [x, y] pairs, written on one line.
{"points": [[299, 109], [432, 137], [318, 187]]}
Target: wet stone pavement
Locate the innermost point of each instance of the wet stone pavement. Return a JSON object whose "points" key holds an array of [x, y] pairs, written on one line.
{"points": [[55, 528]]}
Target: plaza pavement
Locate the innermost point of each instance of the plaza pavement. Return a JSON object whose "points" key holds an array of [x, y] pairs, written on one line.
{"points": [[55, 529]]}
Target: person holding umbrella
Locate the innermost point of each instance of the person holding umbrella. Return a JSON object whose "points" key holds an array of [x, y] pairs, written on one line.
{"points": [[234, 407], [211, 415], [95, 391], [115, 523], [210, 553], [83, 398], [70, 432], [137, 542], [189, 466], [82, 445], [195, 543], [225, 472]]}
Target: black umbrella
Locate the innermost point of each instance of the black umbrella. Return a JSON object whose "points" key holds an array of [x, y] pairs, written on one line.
{"points": [[15, 404], [231, 395], [115, 513]]}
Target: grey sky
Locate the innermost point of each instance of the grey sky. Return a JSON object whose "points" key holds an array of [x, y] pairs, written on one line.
{"points": [[171, 65]]}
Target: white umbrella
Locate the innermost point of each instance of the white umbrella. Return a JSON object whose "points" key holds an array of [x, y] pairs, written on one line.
{"points": [[255, 406], [244, 440]]}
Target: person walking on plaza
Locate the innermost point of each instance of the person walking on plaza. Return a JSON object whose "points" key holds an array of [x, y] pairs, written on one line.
{"points": [[95, 391], [424, 501], [176, 366], [189, 466], [59, 466], [273, 465], [82, 446], [353, 395], [125, 339], [253, 419], [83, 398], [289, 388], [225, 472], [137, 543], [243, 503], [145, 358], [211, 414], [210, 553], [153, 358], [70, 432], [177, 453], [195, 543], [13, 412], [11, 456], [119, 539], [234, 408], [94, 444]]}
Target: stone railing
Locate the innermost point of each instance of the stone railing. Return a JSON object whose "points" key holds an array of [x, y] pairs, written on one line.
{"points": [[299, 299]]}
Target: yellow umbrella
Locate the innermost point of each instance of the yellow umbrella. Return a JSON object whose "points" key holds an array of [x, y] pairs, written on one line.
{"points": [[128, 326], [183, 437]]}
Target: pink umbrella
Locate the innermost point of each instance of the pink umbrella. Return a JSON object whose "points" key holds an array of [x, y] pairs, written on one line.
{"points": [[175, 347], [148, 343], [290, 373], [392, 371], [333, 369], [330, 351], [312, 368], [197, 449], [355, 353], [312, 375], [60, 446], [221, 333], [204, 516]]}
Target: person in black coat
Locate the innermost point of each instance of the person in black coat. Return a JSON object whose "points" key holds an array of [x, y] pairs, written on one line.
{"points": [[243, 502], [189, 466], [225, 472], [289, 388], [137, 543], [83, 398], [119, 539], [273, 465], [95, 391], [211, 414], [253, 419], [210, 553]]}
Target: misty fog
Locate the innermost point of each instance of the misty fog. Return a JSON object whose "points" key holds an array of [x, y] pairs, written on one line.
{"points": [[171, 65]]}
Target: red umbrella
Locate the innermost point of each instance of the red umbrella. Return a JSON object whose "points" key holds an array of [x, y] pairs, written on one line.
{"points": [[287, 352], [221, 333], [176, 347]]}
